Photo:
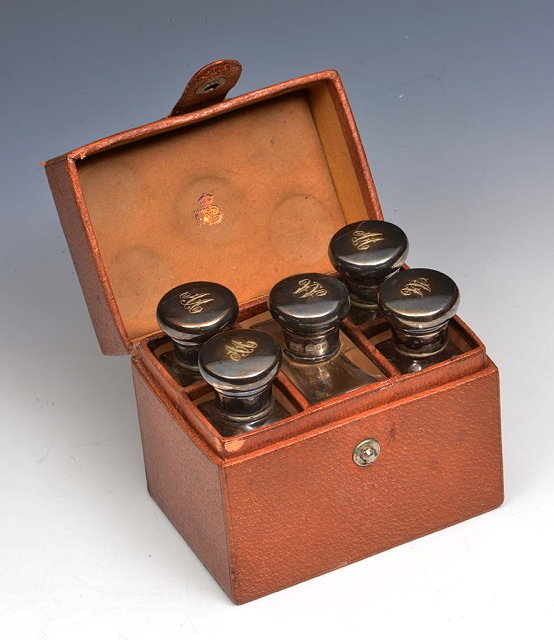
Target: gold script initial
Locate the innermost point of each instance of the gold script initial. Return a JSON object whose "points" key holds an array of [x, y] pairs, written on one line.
{"points": [[417, 287], [237, 350], [308, 288], [364, 239], [194, 302]]}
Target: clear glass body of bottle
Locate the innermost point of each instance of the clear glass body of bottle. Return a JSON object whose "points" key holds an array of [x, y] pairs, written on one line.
{"points": [[332, 376], [418, 303], [363, 313], [229, 419], [309, 308], [318, 380], [241, 365], [185, 375]]}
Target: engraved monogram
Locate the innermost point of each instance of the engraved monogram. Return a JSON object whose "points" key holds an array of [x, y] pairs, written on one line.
{"points": [[308, 288], [208, 212], [237, 350], [417, 287], [364, 239], [195, 302]]}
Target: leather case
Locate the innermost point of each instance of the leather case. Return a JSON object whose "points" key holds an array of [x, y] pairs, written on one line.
{"points": [[246, 191]]}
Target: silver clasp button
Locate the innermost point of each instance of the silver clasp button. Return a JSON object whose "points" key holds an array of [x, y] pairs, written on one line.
{"points": [[366, 452]]}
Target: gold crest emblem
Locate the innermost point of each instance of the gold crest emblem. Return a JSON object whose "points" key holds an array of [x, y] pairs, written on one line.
{"points": [[208, 212]]}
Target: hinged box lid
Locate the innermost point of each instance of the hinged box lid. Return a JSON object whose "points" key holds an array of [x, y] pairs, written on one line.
{"points": [[243, 191]]}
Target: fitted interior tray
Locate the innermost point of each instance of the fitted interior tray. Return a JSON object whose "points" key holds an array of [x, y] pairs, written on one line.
{"points": [[391, 387]]}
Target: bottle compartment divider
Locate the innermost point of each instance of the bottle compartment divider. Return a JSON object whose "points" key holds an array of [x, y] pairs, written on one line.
{"points": [[308, 415]]}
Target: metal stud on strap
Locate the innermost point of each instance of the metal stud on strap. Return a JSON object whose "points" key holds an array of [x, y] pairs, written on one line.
{"points": [[366, 452]]}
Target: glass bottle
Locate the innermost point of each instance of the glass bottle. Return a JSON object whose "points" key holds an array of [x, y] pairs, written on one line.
{"points": [[240, 365], [365, 253], [189, 315], [418, 303], [309, 307]]}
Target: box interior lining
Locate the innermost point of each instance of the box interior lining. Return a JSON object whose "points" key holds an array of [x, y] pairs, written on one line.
{"points": [[363, 338], [243, 199]]}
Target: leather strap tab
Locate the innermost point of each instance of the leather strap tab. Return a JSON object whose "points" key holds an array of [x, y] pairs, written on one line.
{"points": [[208, 86]]}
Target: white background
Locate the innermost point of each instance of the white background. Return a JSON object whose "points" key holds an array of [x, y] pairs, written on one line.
{"points": [[454, 103]]}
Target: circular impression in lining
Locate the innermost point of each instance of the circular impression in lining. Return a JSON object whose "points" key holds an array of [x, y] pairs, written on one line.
{"points": [[139, 277], [299, 229], [115, 194]]}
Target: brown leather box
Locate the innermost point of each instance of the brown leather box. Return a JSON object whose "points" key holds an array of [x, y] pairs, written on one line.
{"points": [[244, 192]]}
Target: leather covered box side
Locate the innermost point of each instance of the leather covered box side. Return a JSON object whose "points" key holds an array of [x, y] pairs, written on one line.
{"points": [[183, 478], [303, 508]]}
